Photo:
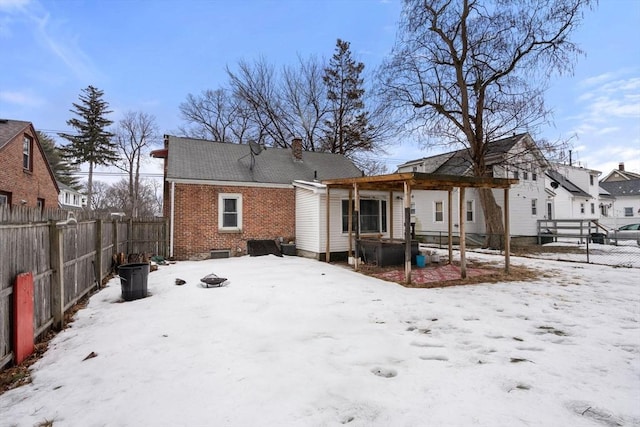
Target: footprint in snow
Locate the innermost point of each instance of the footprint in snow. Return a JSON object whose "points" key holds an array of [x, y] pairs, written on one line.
{"points": [[436, 357], [384, 372]]}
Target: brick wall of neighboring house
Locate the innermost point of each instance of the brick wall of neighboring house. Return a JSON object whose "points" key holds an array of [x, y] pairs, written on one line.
{"points": [[26, 185], [267, 213]]}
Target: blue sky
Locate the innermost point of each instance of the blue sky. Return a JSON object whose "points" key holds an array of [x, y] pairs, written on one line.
{"points": [[148, 55]]}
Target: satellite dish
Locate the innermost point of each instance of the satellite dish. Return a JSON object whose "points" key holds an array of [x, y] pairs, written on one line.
{"points": [[255, 148]]}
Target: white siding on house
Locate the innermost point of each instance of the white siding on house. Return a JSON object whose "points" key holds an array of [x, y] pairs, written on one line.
{"points": [[307, 220], [311, 217]]}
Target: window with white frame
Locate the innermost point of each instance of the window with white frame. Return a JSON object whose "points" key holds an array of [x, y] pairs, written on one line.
{"points": [[534, 207], [438, 212], [525, 175], [470, 210], [5, 198], [628, 211], [581, 208], [534, 175], [516, 175], [591, 180], [373, 216], [229, 212], [593, 208], [413, 208]]}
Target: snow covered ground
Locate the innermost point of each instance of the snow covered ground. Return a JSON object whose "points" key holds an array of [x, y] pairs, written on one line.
{"points": [[296, 342]]}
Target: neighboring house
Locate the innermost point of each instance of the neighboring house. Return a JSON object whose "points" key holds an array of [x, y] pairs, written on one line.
{"points": [[623, 205], [513, 157], [70, 199], [573, 193], [26, 177], [218, 196]]}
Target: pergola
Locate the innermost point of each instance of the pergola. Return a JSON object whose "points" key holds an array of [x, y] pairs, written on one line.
{"points": [[406, 182]]}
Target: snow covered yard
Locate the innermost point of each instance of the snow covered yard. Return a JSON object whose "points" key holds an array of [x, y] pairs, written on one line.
{"points": [[296, 342]]}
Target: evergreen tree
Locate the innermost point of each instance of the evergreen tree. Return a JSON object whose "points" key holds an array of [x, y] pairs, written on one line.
{"points": [[61, 168], [347, 128], [92, 144]]}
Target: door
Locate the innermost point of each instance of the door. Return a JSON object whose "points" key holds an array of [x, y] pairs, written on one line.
{"points": [[549, 210]]}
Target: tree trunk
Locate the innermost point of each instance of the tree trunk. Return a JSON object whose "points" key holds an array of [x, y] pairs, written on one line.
{"points": [[90, 188], [492, 219]]}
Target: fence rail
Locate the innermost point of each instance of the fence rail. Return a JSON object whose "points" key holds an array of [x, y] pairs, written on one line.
{"points": [[68, 259]]}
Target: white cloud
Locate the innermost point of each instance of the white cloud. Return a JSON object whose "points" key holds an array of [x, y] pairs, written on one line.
{"points": [[49, 34], [22, 99], [11, 5]]}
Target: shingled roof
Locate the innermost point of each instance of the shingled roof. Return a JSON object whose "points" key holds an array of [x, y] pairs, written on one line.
{"points": [[9, 129], [202, 160], [566, 184], [622, 188], [459, 162]]}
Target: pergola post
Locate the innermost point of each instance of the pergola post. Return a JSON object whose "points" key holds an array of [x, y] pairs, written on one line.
{"points": [[463, 256], [507, 232], [350, 225], [327, 252], [356, 211], [407, 233], [450, 220], [390, 216]]}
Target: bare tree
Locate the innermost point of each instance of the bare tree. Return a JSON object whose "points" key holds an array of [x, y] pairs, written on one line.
{"points": [[305, 99], [98, 200], [473, 71], [214, 114], [257, 86], [134, 134]]}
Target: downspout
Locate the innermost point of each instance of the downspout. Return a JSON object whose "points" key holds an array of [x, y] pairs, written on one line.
{"points": [[173, 210]]}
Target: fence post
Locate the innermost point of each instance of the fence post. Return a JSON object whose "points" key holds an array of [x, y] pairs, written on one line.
{"points": [[166, 242], [129, 236], [115, 237], [56, 256], [98, 263]]}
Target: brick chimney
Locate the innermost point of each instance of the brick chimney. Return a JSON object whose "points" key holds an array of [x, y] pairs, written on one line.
{"points": [[621, 166], [296, 148]]}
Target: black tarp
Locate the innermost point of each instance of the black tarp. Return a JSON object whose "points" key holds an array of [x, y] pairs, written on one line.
{"points": [[262, 247]]}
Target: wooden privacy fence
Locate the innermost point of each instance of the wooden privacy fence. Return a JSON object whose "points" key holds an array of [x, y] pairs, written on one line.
{"points": [[68, 259]]}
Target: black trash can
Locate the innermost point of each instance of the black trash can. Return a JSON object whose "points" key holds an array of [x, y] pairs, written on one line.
{"points": [[133, 279], [288, 249], [598, 238], [547, 237]]}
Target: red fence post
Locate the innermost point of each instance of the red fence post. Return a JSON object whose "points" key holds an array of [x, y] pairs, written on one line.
{"points": [[23, 317]]}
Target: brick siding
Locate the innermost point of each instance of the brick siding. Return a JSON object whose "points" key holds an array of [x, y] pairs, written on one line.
{"points": [[26, 185], [267, 213]]}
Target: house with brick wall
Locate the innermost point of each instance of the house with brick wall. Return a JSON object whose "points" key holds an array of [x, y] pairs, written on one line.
{"points": [[218, 196], [26, 178]]}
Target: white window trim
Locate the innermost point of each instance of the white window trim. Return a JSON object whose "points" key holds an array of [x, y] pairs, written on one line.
{"points": [[4, 199], [221, 198], [435, 204], [473, 211]]}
